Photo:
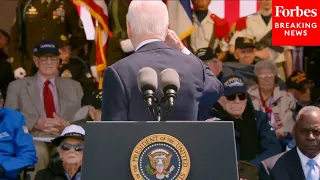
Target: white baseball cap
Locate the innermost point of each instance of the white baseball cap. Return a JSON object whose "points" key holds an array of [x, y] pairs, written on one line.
{"points": [[72, 131]]}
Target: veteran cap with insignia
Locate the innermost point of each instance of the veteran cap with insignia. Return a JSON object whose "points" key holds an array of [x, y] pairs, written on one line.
{"points": [[205, 54], [46, 47], [72, 131], [244, 42], [233, 84], [297, 80]]}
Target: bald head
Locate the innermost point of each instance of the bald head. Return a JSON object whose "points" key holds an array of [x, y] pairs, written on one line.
{"points": [[147, 19], [308, 110]]}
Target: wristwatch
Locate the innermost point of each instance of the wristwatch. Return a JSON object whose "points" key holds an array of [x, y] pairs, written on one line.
{"points": [[2, 171]]}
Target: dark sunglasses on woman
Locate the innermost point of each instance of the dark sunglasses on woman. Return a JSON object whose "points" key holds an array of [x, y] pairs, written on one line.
{"points": [[68, 146], [242, 96]]}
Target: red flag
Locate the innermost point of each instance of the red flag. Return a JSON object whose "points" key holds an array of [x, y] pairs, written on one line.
{"points": [[99, 11]]}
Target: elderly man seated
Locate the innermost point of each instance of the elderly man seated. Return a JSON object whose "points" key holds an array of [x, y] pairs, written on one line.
{"points": [[16, 145], [48, 102], [255, 138], [70, 146], [302, 162]]}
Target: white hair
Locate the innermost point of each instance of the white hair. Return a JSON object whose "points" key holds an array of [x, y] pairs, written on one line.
{"points": [[148, 17], [306, 110], [265, 64]]}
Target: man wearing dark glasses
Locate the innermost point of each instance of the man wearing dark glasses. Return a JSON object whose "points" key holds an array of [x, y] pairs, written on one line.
{"points": [[70, 148], [255, 139]]}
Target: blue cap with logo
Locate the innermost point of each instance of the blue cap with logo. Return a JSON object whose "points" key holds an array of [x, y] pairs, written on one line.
{"points": [[233, 84], [46, 47]]}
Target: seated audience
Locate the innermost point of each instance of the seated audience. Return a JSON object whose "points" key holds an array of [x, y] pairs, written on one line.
{"points": [[255, 139], [298, 84], [303, 161], [266, 96], [48, 103], [245, 50], [70, 146], [91, 112], [75, 68], [16, 145], [210, 58]]}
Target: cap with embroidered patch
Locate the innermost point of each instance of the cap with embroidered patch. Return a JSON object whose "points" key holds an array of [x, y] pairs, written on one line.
{"points": [[233, 84], [72, 131], [297, 80], [46, 47], [205, 54], [244, 42]]}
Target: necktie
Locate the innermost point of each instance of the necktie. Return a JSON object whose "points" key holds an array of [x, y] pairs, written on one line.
{"points": [[48, 100], [298, 62], [311, 175]]}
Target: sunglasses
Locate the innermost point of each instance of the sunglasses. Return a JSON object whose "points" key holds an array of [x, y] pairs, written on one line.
{"points": [[68, 146], [242, 96]]}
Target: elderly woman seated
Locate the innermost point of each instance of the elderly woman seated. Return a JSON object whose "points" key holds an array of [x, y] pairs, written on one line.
{"points": [[266, 96], [70, 148]]}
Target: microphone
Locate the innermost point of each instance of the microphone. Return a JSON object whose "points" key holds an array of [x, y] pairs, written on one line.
{"points": [[147, 83], [169, 84]]}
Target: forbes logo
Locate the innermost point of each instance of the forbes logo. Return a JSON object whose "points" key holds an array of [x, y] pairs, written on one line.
{"points": [[297, 12]]}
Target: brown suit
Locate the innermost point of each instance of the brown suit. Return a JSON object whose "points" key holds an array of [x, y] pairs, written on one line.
{"points": [[24, 95]]}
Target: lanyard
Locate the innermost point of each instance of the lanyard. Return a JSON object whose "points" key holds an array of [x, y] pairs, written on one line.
{"points": [[268, 109]]}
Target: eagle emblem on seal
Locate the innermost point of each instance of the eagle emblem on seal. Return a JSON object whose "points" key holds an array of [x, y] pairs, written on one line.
{"points": [[160, 161]]}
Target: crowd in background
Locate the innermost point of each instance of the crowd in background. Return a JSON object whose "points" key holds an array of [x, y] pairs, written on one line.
{"points": [[55, 87]]}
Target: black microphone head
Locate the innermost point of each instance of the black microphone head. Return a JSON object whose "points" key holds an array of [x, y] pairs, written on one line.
{"points": [[169, 79], [147, 79]]}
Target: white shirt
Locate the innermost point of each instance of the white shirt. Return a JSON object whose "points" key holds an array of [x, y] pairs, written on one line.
{"points": [[184, 50], [304, 159]]}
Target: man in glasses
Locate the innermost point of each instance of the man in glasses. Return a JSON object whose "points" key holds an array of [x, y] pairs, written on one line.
{"points": [[47, 101], [70, 148], [255, 139], [299, 85]]}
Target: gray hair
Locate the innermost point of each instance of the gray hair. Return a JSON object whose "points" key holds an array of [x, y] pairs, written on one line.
{"points": [[265, 64], [148, 17], [306, 110]]}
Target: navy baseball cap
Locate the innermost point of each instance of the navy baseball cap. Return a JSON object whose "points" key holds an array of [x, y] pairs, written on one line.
{"points": [[46, 47], [233, 84]]}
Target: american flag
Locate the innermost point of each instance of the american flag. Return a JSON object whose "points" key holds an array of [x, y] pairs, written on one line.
{"points": [[232, 10], [99, 12]]}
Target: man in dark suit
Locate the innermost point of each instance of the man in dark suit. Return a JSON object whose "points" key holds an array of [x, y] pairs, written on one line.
{"points": [[147, 30], [303, 161]]}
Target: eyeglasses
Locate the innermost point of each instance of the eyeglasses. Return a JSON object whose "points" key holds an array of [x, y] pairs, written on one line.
{"points": [[46, 58], [242, 97], [68, 146], [270, 75]]}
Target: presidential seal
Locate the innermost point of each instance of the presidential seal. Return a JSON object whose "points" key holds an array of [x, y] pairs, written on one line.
{"points": [[160, 156]]}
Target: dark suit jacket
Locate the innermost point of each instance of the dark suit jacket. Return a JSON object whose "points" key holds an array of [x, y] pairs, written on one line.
{"points": [[123, 101], [288, 167]]}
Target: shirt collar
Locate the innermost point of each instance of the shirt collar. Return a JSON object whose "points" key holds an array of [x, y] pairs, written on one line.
{"points": [[41, 80], [304, 159], [207, 19], [146, 42]]}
